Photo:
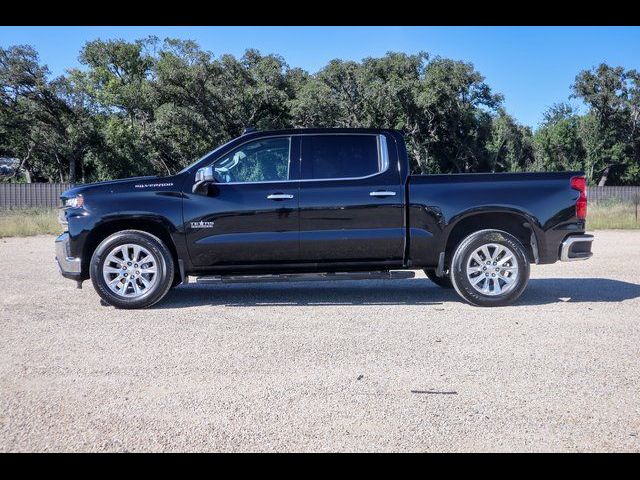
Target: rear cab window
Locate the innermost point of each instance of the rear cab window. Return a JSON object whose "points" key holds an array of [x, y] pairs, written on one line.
{"points": [[341, 156]]}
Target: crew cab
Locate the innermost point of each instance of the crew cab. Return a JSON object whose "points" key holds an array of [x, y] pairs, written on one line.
{"points": [[320, 204]]}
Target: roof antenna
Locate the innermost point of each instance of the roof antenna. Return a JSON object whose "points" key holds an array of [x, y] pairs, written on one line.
{"points": [[249, 129]]}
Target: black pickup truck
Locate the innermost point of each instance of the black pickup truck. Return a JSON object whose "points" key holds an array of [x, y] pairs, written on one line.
{"points": [[319, 204]]}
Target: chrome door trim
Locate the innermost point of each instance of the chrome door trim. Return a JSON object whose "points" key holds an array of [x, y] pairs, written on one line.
{"points": [[382, 194], [279, 196]]}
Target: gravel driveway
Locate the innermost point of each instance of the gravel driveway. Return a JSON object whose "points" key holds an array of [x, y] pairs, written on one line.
{"points": [[374, 365]]}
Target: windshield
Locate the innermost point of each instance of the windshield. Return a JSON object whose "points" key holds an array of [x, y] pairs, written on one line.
{"points": [[205, 156]]}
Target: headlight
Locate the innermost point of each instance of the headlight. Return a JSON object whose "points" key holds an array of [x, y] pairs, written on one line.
{"points": [[71, 202], [74, 202]]}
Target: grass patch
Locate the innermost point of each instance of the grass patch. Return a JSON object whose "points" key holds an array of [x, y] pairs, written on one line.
{"points": [[612, 215], [24, 222]]}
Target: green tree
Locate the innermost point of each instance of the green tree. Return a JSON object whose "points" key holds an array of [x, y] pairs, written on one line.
{"points": [[152, 107], [510, 147], [558, 142], [41, 123], [117, 83], [607, 130], [23, 116], [205, 101], [457, 108], [444, 107]]}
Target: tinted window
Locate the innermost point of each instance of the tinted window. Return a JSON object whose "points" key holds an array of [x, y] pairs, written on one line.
{"points": [[339, 156], [265, 160]]}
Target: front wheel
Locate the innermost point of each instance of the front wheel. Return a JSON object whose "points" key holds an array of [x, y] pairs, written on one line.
{"points": [[490, 268], [132, 269]]}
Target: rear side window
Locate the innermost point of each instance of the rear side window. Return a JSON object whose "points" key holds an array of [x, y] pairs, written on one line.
{"points": [[339, 156]]}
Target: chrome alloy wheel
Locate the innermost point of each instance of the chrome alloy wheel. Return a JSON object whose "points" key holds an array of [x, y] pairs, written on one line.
{"points": [[492, 269], [130, 270]]}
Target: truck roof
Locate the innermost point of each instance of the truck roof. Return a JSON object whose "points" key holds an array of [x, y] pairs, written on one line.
{"points": [[300, 131]]}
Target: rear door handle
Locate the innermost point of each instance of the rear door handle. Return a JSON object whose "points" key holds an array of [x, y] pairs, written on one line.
{"points": [[382, 193], [279, 196]]}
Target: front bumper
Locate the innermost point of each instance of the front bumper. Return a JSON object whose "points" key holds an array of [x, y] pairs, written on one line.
{"points": [[576, 247], [70, 267]]}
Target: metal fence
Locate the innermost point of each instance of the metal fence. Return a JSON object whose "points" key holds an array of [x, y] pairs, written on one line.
{"points": [[614, 194], [21, 195]]}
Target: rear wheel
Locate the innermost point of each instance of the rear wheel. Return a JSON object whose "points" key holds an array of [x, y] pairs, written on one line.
{"points": [[132, 269], [444, 281], [490, 268]]}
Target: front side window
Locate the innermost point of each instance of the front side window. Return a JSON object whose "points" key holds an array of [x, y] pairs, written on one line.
{"points": [[265, 160], [339, 156]]}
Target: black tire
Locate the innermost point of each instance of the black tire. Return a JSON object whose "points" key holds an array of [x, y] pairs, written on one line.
{"points": [[165, 269], [177, 280], [443, 281], [461, 258]]}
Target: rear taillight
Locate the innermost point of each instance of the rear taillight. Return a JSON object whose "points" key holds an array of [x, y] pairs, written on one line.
{"points": [[580, 184]]}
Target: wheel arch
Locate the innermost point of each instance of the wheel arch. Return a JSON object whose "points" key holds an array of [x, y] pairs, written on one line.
{"points": [[518, 223], [153, 225]]}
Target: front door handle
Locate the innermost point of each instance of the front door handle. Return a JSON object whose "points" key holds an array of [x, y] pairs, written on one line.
{"points": [[382, 193], [279, 196]]}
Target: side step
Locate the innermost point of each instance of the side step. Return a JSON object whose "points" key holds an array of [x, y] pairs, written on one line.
{"points": [[309, 277]]}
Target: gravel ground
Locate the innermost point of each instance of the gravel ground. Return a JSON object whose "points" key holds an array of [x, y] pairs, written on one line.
{"points": [[347, 366]]}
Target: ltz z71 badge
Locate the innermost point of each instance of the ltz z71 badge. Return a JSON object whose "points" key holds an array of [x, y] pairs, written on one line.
{"points": [[201, 224]]}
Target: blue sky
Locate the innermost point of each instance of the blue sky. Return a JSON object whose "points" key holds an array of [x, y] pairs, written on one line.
{"points": [[533, 67]]}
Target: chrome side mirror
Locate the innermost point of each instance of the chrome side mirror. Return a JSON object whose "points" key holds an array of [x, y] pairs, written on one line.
{"points": [[204, 175]]}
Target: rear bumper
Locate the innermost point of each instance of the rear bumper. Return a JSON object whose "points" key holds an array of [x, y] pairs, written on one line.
{"points": [[70, 267], [576, 247]]}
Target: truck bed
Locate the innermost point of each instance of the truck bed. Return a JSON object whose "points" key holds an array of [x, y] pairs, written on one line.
{"points": [[437, 203]]}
